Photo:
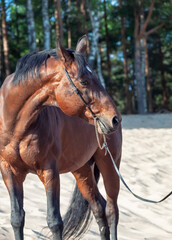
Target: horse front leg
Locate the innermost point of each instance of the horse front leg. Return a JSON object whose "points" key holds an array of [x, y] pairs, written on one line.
{"points": [[51, 181], [88, 187], [112, 215], [111, 183], [14, 185]]}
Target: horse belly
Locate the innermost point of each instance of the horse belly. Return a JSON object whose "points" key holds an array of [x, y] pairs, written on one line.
{"points": [[77, 152]]}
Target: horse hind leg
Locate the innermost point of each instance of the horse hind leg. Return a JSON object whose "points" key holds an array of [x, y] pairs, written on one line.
{"points": [[51, 181], [15, 189], [88, 187]]}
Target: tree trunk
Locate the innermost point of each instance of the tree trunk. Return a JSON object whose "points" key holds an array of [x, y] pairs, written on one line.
{"points": [[99, 69], [1, 73], [139, 55], [31, 26], [148, 80], [46, 24], [69, 24], [125, 62], [5, 40], [142, 67], [82, 18], [83, 12], [94, 50], [139, 60], [107, 44], [94, 40], [140, 80], [82, 7], [17, 29], [59, 23], [139, 34], [163, 80], [137, 63]]}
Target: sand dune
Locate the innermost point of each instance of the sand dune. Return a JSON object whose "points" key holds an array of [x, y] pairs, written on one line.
{"points": [[147, 168]]}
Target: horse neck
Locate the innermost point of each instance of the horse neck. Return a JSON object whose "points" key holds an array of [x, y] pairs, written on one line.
{"points": [[23, 102]]}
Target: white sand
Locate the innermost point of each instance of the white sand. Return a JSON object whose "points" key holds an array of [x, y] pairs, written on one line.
{"points": [[147, 168]]}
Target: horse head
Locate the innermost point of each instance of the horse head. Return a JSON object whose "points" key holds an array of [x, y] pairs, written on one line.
{"points": [[80, 92]]}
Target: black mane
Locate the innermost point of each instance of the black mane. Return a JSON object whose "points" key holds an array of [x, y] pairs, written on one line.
{"points": [[32, 62]]}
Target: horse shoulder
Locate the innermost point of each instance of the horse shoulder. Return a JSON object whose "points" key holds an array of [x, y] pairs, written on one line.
{"points": [[42, 140]]}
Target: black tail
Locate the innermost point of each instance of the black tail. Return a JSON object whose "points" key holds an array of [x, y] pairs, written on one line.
{"points": [[78, 217]]}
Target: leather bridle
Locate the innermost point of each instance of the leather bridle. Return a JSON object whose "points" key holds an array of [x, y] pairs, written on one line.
{"points": [[76, 90]]}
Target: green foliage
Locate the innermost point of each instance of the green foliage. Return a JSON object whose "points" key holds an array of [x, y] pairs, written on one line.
{"points": [[80, 24]]}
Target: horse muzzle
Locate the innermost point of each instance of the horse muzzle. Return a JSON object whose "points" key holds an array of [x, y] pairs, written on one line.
{"points": [[107, 126]]}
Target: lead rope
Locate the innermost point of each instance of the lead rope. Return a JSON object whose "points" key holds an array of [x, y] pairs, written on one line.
{"points": [[96, 120], [105, 146]]}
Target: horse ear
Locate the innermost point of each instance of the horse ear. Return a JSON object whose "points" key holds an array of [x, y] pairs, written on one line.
{"points": [[63, 53], [82, 44]]}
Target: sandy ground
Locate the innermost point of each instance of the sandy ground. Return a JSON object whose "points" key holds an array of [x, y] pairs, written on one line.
{"points": [[146, 167]]}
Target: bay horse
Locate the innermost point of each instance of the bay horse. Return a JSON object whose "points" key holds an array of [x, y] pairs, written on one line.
{"points": [[43, 131]]}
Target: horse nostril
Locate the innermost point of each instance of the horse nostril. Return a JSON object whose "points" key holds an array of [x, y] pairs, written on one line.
{"points": [[115, 121]]}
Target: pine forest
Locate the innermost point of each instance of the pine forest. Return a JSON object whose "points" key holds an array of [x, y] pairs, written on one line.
{"points": [[130, 43]]}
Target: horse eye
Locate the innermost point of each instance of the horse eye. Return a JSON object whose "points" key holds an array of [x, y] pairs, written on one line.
{"points": [[84, 82]]}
